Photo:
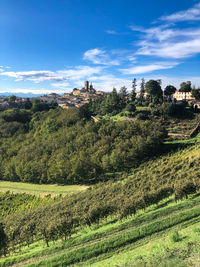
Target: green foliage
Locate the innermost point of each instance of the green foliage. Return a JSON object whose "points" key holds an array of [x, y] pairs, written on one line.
{"points": [[185, 87], [149, 185], [18, 115], [167, 109], [175, 236], [67, 147], [154, 91], [3, 240], [12, 98], [196, 93], [15, 203], [169, 90], [131, 107]]}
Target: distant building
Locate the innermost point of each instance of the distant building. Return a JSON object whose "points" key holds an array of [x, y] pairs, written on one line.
{"points": [[182, 95], [139, 93], [76, 92], [86, 89]]}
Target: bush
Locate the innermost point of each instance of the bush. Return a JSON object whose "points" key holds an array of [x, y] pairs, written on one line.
{"points": [[131, 107], [142, 116], [175, 236]]}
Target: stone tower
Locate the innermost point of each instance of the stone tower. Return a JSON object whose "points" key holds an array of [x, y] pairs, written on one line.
{"points": [[86, 85]]}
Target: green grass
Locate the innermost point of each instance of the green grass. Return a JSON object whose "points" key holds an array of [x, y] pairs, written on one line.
{"points": [[193, 140], [160, 251], [40, 190], [105, 239]]}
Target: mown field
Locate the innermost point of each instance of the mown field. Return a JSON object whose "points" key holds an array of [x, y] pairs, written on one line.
{"points": [[40, 190]]}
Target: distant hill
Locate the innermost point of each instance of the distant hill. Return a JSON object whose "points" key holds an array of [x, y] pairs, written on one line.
{"points": [[20, 94]]}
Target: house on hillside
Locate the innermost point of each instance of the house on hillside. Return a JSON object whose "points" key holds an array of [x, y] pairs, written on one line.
{"points": [[182, 96], [139, 93]]}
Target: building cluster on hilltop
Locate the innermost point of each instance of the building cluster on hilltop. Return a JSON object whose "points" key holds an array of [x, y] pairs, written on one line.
{"points": [[79, 97], [76, 98]]}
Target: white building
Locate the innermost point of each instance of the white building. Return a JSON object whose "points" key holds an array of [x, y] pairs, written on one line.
{"points": [[182, 95]]}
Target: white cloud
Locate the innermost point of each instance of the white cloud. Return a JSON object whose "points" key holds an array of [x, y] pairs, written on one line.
{"points": [[192, 14], [175, 50], [107, 82], [131, 58], [80, 72], [62, 85], [35, 91], [160, 32], [57, 76], [35, 76], [99, 56], [112, 32], [167, 41], [148, 68]]}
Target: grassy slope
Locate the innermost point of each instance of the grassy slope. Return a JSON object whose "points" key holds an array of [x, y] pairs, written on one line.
{"points": [[41, 190], [117, 243], [114, 243]]}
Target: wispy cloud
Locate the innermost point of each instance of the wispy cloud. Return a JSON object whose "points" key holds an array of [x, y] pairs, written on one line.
{"points": [[35, 76], [99, 56], [35, 91], [148, 68], [112, 32], [168, 41], [175, 50], [107, 82], [191, 14], [62, 85], [57, 76]]}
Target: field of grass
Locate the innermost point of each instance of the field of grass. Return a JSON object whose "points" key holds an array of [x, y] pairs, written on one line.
{"points": [[141, 240], [40, 190]]}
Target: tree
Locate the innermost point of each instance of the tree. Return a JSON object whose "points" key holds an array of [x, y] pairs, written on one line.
{"points": [[28, 104], [84, 111], [131, 107], [12, 98], [159, 81], [123, 96], [185, 87], [112, 103], [133, 92], [142, 89], [3, 241], [154, 90], [196, 93], [169, 90], [39, 105]]}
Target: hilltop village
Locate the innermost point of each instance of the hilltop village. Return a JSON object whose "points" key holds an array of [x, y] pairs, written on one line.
{"points": [[79, 97], [76, 98]]}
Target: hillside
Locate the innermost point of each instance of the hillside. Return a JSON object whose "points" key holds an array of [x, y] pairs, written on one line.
{"points": [[168, 231], [103, 223], [68, 147]]}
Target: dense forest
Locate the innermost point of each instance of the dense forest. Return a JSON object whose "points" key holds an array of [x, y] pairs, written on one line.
{"points": [[67, 146]]}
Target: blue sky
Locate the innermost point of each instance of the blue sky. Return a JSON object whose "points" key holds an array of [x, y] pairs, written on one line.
{"points": [[55, 45]]}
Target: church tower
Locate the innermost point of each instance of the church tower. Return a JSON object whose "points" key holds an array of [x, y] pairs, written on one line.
{"points": [[86, 85]]}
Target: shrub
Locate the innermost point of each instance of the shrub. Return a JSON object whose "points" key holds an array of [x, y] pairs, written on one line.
{"points": [[175, 236]]}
